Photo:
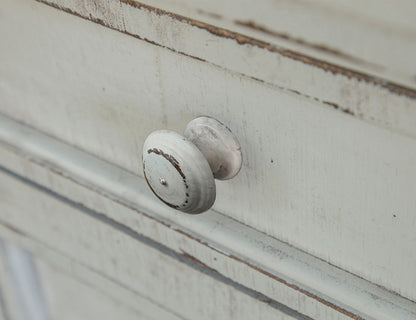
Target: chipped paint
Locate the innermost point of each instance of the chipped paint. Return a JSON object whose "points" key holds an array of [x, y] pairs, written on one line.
{"points": [[245, 40]]}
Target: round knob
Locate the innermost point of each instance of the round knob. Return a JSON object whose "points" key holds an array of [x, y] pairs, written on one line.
{"points": [[180, 170]]}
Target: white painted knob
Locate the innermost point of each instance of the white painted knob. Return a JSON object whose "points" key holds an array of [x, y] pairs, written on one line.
{"points": [[180, 170]]}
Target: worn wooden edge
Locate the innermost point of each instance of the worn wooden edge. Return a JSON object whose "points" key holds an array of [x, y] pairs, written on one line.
{"points": [[375, 100], [242, 18], [89, 181], [242, 39], [250, 24]]}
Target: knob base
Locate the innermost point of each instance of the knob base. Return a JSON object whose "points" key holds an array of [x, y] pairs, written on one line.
{"points": [[218, 144]]}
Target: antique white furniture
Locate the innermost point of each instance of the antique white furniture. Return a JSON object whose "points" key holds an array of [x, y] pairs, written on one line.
{"points": [[319, 222]]}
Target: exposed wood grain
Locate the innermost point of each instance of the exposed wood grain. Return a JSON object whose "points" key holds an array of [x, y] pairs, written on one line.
{"points": [[364, 96], [214, 241], [323, 29]]}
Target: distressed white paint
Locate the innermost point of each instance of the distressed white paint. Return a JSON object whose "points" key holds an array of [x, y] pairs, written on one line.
{"points": [[180, 170], [236, 251], [177, 172], [366, 98], [218, 145], [187, 288], [314, 177], [377, 37]]}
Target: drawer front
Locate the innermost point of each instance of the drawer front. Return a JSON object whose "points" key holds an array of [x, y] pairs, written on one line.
{"points": [[336, 183], [123, 263]]}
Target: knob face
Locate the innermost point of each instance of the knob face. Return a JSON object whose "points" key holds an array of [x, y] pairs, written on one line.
{"points": [[177, 172]]}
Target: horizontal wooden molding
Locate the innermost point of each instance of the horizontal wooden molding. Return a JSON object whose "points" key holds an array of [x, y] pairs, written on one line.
{"points": [[212, 240]]}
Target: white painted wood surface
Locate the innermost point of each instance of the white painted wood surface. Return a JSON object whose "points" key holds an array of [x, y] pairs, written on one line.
{"points": [[74, 291], [25, 288], [181, 169], [189, 184], [71, 298], [178, 283], [317, 178], [34, 288], [9, 308], [235, 251], [377, 37], [361, 95]]}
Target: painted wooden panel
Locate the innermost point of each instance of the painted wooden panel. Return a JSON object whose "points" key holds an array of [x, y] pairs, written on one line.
{"points": [[70, 290], [315, 177], [68, 298], [234, 250], [24, 298], [361, 95], [8, 304], [377, 37], [174, 281]]}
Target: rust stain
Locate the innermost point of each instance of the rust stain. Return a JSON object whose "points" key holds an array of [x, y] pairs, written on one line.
{"points": [[245, 40]]}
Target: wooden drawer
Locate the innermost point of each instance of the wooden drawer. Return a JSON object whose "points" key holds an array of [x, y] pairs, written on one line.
{"points": [[121, 263], [329, 152]]}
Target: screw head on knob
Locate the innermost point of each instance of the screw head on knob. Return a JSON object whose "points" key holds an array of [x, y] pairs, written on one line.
{"points": [[180, 170]]}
